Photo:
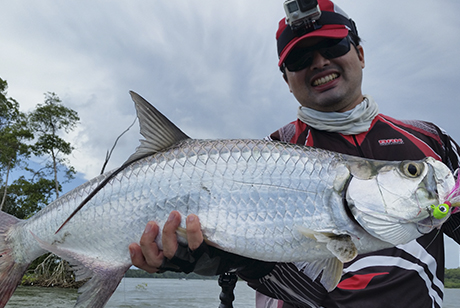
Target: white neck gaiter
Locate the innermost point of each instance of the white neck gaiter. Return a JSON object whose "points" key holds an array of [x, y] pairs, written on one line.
{"points": [[352, 122]]}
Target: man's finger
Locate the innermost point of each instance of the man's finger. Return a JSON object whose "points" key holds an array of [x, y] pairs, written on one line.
{"points": [[147, 256], [148, 245], [169, 238], [194, 234], [138, 259]]}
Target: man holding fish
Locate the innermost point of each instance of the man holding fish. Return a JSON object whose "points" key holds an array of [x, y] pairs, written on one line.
{"points": [[322, 60]]}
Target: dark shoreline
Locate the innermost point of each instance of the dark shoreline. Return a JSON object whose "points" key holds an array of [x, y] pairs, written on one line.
{"points": [[34, 280]]}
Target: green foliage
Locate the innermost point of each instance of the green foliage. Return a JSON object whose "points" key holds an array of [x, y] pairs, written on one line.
{"points": [[9, 108], [48, 121], [40, 134], [452, 278], [14, 133], [13, 128], [29, 279], [26, 197]]}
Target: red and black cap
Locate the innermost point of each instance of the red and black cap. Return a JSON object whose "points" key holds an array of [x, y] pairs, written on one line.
{"points": [[333, 23]]}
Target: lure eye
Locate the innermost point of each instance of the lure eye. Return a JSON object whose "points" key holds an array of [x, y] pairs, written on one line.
{"points": [[412, 169], [440, 211]]}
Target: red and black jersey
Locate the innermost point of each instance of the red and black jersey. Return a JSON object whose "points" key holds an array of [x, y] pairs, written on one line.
{"points": [[387, 139], [409, 275]]}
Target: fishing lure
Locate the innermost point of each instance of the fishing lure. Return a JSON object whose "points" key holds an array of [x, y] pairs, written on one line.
{"points": [[441, 211]]}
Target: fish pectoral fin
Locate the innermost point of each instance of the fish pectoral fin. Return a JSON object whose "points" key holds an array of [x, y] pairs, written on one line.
{"points": [[318, 236], [341, 246], [343, 249], [331, 268], [307, 232]]}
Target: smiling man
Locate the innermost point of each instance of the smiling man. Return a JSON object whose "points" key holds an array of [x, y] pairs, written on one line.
{"points": [[323, 72], [322, 62]]}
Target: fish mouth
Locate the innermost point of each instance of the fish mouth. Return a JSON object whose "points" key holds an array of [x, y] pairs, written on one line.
{"points": [[429, 224]]}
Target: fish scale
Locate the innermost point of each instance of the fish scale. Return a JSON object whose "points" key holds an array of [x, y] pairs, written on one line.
{"points": [[264, 200]]}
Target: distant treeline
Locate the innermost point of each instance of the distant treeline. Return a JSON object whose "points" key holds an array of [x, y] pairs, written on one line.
{"points": [[133, 273], [452, 276]]}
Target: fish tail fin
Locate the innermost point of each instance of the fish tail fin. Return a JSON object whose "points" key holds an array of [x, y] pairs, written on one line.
{"points": [[11, 271]]}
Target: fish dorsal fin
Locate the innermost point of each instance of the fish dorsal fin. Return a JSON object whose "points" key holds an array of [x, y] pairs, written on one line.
{"points": [[159, 132]]}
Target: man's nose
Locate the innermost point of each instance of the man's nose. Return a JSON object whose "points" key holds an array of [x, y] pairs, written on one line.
{"points": [[319, 61]]}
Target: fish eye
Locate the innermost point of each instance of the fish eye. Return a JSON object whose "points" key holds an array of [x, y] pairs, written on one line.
{"points": [[412, 169]]}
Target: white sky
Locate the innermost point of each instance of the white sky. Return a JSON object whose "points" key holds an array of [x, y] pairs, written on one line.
{"points": [[211, 66]]}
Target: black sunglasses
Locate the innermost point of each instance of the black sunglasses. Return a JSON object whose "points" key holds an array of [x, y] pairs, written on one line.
{"points": [[301, 58]]}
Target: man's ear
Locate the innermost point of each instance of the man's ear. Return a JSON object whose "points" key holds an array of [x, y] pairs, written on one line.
{"points": [[360, 50], [287, 81]]}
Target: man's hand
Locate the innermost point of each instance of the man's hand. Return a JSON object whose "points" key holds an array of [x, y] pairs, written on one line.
{"points": [[149, 257]]}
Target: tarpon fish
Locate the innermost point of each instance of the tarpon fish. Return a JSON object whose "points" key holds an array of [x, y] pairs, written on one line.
{"points": [[265, 200]]}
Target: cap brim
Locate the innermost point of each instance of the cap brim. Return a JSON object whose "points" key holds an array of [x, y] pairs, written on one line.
{"points": [[329, 31]]}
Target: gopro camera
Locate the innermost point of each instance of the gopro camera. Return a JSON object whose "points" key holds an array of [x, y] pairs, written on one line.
{"points": [[301, 13]]}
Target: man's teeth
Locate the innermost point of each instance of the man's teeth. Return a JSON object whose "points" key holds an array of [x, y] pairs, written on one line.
{"points": [[325, 79]]}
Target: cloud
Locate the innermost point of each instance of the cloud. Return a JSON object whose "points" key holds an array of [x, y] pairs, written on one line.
{"points": [[212, 66]]}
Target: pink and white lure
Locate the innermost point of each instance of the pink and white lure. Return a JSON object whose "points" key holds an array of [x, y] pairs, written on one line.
{"points": [[452, 200]]}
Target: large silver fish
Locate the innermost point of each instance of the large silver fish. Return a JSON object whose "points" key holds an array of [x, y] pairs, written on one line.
{"points": [[265, 200]]}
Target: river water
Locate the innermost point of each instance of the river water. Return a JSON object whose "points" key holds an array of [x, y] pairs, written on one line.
{"points": [[158, 293]]}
